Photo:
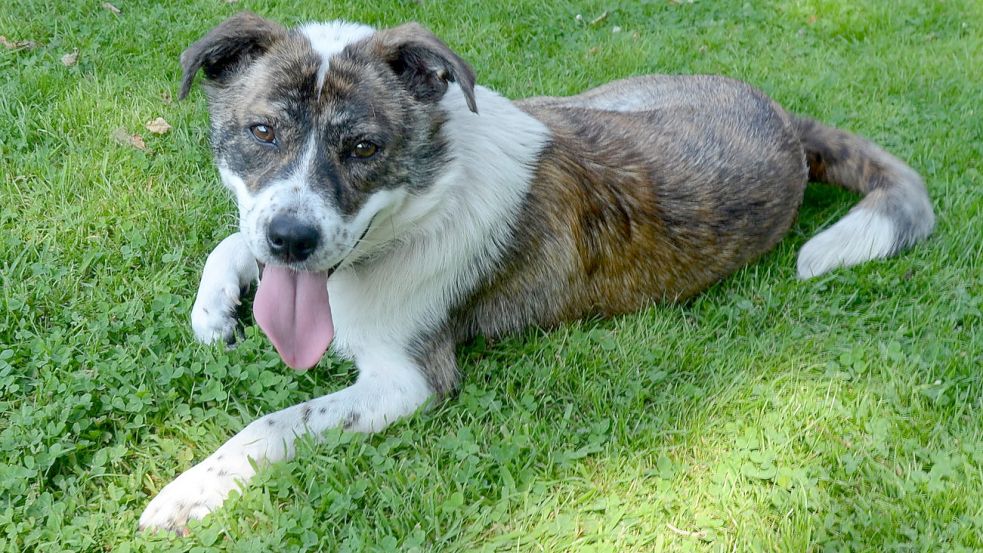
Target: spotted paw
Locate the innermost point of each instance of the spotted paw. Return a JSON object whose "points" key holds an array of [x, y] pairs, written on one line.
{"points": [[191, 496]]}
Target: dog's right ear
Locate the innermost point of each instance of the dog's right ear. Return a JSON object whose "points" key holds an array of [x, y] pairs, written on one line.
{"points": [[228, 48]]}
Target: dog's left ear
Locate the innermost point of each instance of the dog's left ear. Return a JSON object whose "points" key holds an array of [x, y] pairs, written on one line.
{"points": [[424, 63]]}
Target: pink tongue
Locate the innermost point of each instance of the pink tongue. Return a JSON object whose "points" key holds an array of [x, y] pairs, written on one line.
{"points": [[292, 309]]}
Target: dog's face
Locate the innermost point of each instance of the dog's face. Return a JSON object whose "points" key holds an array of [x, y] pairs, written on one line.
{"points": [[318, 130]]}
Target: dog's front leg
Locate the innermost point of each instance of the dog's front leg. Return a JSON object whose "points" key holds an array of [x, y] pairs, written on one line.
{"points": [[390, 386], [229, 270]]}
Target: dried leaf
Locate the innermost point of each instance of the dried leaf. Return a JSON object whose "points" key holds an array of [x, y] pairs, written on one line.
{"points": [[71, 59], [17, 44], [124, 137], [599, 18], [159, 126], [700, 535], [812, 19], [111, 8]]}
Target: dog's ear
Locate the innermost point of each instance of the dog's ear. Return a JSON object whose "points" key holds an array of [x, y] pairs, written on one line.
{"points": [[228, 48], [424, 63]]}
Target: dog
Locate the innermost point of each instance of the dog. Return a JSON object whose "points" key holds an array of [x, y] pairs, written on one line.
{"points": [[369, 168]]}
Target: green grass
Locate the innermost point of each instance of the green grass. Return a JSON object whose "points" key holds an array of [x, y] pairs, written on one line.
{"points": [[769, 414]]}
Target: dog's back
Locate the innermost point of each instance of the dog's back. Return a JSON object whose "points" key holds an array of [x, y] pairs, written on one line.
{"points": [[654, 188]]}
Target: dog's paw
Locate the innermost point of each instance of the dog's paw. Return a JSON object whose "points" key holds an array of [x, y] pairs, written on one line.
{"points": [[213, 316], [229, 271], [191, 496]]}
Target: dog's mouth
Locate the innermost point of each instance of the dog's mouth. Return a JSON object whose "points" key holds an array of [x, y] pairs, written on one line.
{"points": [[292, 308]]}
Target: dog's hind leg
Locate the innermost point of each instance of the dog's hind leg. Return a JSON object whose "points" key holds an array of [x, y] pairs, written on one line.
{"points": [[389, 386], [229, 271]]}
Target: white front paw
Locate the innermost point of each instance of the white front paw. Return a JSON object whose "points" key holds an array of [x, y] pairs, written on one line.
{"points": [[191, 496], [213, 316], [229, 270]]}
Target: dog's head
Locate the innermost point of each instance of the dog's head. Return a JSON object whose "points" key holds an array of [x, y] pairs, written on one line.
{"points": [[321, 128]]}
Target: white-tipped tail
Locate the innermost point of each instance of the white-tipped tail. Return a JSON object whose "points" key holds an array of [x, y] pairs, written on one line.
{"points": [[895, 211], [860, 236]]}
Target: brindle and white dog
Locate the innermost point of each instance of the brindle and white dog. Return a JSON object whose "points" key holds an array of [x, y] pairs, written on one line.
{"points": [[369, 168]]}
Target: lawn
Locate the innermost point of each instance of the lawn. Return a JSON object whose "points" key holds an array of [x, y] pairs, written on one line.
{"points": [[769, 414]]}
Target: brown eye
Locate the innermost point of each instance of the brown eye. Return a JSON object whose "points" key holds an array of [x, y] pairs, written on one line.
{"points": [[364, 150], [263, 133]]}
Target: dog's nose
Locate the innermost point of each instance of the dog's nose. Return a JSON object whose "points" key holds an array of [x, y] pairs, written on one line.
{"points": [[291, 239]]}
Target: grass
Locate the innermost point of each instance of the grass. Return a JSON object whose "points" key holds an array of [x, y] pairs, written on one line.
{"points": [[769, 414]]}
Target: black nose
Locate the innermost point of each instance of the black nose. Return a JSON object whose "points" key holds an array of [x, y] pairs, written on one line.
{"points": [[290, 239]]}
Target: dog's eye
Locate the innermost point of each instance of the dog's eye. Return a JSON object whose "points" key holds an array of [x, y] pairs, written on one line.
{"points": [[364, 150], [263, 133]]}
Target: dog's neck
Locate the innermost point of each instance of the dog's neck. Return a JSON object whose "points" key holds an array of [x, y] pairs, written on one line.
{"points": [[441, 240], [475, 200]]}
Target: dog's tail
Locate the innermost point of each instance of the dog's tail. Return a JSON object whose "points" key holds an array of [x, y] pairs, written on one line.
{"points": [[894, 213]]}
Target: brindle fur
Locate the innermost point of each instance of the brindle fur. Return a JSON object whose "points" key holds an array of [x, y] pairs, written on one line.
{"points": [[651, 205]]}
